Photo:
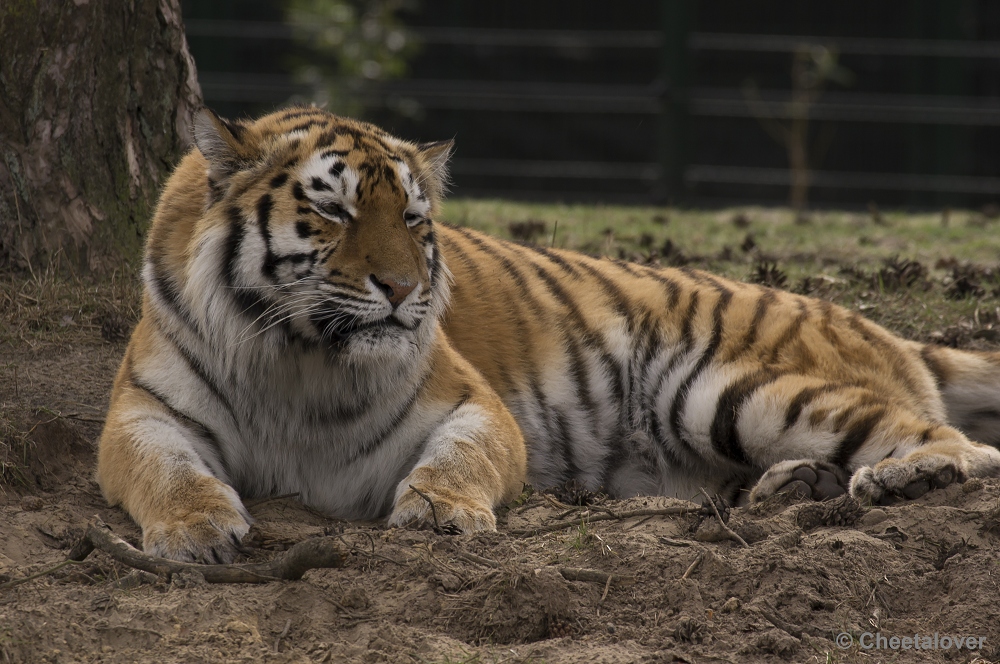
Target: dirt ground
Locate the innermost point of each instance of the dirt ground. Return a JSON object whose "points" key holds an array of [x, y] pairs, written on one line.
{"points": [[680, 590]]}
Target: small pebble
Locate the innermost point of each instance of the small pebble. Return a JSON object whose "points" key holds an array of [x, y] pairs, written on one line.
{"points": [[732, 605], [611, 628]]}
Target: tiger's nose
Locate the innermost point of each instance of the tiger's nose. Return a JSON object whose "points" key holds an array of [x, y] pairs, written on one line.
{"points": [[393, 290]]}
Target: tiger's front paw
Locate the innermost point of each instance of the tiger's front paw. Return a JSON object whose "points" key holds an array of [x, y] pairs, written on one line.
{"points": [[452, 513], [893, 480], [807, 478], [210, 537]]}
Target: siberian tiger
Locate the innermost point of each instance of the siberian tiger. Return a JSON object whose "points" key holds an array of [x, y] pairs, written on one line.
{"points": [[308, 327]]}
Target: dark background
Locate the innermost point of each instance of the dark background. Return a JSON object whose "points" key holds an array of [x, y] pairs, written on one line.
{"points": [[643, 101]]}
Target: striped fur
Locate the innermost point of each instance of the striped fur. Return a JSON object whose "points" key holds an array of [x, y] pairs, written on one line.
{"points": [[307, 327]]}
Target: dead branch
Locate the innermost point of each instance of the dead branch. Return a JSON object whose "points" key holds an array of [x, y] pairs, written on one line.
{"points": [[317, 553], [725, 527], [611, 516]]}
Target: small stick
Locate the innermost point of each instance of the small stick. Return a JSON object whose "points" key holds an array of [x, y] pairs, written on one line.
{"points": [[666, 511], [768, 614], [607, 587], [729, 531], [284, 633], [316, 553], [595, 576], [430, 502], [693, 565], [479, 560], [44, 572], [673, 542]]}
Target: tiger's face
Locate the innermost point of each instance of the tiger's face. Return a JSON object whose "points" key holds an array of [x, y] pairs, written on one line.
{"points": [[331, 239]]}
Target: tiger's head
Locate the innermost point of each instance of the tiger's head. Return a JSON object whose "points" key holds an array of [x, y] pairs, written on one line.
{"points": [[329, 238]]}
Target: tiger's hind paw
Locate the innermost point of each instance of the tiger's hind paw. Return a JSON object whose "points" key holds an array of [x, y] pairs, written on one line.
{"points": [[893, 480], [806, 478], [442, 509]]}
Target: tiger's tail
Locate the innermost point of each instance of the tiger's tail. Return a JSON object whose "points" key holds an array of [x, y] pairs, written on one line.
{"points": [[970, 388]]}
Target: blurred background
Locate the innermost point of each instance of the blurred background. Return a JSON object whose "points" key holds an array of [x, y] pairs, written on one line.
{"points": [[850, 104]]}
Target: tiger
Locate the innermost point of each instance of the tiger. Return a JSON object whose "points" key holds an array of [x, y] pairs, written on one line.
{"points": [[310, 326]]}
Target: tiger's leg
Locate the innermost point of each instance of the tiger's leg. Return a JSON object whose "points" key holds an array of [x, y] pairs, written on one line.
{"points": [[147, 463], [474, 459], [829, 432]]}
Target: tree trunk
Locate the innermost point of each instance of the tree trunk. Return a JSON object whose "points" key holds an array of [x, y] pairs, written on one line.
{"points": [[96, 106]]}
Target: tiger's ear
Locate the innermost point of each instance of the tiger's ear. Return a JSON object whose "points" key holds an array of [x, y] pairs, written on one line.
{"points": [[436, 156], [223, 143]]}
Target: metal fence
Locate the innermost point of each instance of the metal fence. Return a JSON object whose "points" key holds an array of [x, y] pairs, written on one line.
{"points": [[653, 106]]}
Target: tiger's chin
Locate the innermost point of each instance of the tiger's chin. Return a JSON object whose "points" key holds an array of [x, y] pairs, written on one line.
{"points": [[379, 343]]}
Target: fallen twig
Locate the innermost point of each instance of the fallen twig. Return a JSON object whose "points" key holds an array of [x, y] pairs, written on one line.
{"points": [[316, 553], [725, 527], [768, 614], [430, 502], [479, 560], [673, 542], [611, 516], [284, 633], [595, 576], [694, 565], [36, 575]]}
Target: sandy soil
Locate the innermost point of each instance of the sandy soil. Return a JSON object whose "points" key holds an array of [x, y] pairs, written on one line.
{"points": [[681, 591]]}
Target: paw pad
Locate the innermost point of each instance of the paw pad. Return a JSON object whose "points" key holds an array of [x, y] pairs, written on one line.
{"points": [[813, 483]]}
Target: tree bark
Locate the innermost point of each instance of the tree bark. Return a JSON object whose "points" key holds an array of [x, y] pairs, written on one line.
{"points": [[97, 99]]}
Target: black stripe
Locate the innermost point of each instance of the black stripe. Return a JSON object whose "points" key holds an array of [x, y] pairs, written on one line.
{"points": [[626, 267], [306, 125], [803, 399], [650, 399], [790, 333], [319, 184], [337, 169], [294, 113], [200, 371], [191, 424], [673, 288], [247, 299], [264, 206], [680, 398], [764, 302], [619, 300], [725, 434], [378, 438], [298, 192], [554, 258], [166, 287], [856, 436], [278, 180]]}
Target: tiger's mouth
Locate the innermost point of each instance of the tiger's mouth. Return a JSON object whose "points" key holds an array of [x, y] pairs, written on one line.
{"points": [[335, 327]]}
